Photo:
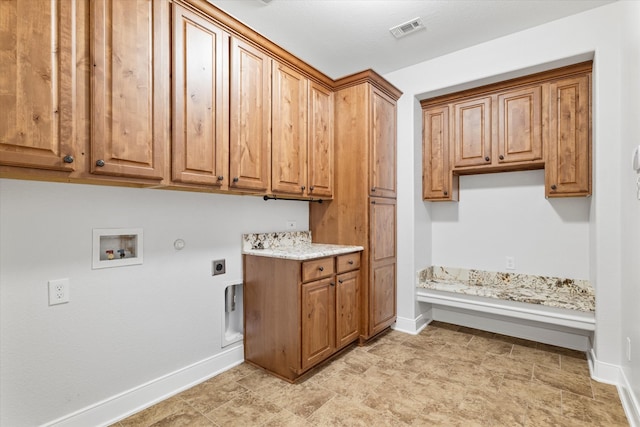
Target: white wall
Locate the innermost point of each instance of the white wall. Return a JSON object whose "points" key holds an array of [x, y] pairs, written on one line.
{"points": [[594, 223], [630, 212], [123, 326], [506, 214]]}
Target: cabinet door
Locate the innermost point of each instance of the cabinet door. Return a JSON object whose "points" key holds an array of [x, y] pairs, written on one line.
{"points": [[289, 131], [250, 115], [471, 128], [382, 275], [437, 180], [320, 142], [568, 167], [37, 87], [200, 136], [520, 125], [347, 308], [130, 87], [318, 321], [383, 145]]}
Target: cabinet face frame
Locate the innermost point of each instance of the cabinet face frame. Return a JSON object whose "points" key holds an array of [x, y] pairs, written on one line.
{"points": [[382, 168], [130, 91], [250, 118], [39, 119], [200, 96]]}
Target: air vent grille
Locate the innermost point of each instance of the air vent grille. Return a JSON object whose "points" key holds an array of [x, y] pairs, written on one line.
{"points": [[407, 28]]}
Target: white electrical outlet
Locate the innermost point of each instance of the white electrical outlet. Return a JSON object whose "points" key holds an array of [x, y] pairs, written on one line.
{"points": [[291, 225], [58, 291], [628, 349], [511, 263]]}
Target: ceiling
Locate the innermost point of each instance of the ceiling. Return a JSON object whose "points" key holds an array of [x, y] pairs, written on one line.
{"points": [[342, 37]]}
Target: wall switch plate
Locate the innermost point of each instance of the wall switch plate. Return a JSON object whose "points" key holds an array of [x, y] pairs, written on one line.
{"points": [[291, 225], [219, 267], [58, 291], [511, 263]]}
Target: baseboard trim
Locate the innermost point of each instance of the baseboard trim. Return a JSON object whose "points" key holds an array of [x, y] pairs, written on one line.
{"points": [[138, 398], [629, 401], [602, 371], [413, 326]]}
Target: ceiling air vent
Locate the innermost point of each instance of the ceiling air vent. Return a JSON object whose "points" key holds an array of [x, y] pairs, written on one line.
{"points": [[407, 28]]}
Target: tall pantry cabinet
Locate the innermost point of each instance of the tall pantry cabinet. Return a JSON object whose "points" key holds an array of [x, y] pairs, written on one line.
{"points": [[363, 209]]}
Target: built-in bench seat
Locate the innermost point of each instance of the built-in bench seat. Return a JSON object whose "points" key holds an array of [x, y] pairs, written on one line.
{"points": [[562, 304]]}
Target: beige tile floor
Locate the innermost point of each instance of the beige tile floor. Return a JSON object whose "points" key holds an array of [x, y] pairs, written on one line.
{"points": [[445, 376]]}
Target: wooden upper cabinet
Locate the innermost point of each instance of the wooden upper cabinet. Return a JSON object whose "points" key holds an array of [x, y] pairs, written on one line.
{"points": [[382, 275], [129, 87], [568, 168], [250, 118], [200, 95], [437, 180], [520, 125], [289, 131], [383, 145], [320, 142], [38, 85], [471, 132]]}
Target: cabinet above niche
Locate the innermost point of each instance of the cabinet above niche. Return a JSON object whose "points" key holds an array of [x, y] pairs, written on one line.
{"points": [[540, 121]]}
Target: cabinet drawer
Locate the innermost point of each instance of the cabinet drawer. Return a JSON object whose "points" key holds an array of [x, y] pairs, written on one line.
{"points": [[317, 269], [348, 262]]}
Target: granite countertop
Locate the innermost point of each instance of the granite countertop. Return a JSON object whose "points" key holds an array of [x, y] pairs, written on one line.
{"points": [[558, 292], [295, 245]]}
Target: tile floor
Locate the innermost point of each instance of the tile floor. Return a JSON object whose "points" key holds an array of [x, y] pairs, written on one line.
{"points": [[445, 376]]}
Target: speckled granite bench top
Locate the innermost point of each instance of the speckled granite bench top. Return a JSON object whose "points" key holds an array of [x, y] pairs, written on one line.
{"points": [[574, 294]]}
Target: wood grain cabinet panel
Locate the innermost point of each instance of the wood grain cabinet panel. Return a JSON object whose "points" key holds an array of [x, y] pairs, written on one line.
{"points": [[383, 145], [347, 308], [320, 142], [289, 131], [520, 125], [318, 321], [438, 183], [471, 129], [568, 169], [200, 92], [294, 318], [38, 85], [130, 87], [250, 115], [383, 264]]}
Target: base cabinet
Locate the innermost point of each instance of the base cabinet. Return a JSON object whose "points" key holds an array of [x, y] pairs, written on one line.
{"points": [[299, 313]]}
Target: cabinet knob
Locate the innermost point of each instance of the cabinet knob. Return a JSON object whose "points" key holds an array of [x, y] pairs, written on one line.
{"points": [[350, 262], [501, 157], [311, 188], [332, 284], [67, 159], [340, 281], [446, 193], [302, 187], [100, 163], [321, 268], [220, 177], [235, 179], [373, 202], [487, 158], [554, 187], [373, 190]]}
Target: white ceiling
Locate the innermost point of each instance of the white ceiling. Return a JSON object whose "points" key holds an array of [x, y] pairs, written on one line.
{"points": [[342, 37]]}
